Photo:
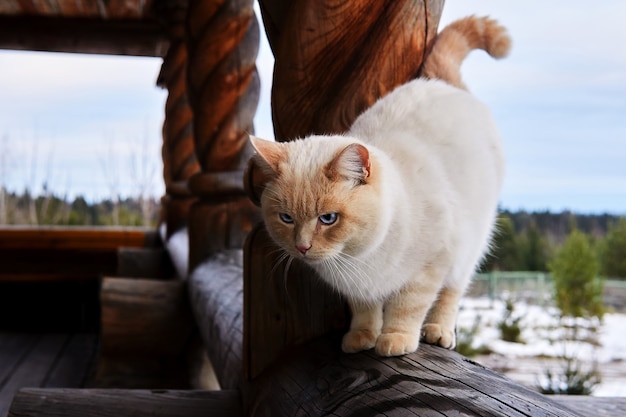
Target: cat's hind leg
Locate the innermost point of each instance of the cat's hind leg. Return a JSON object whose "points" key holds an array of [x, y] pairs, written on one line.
{"points": [[366, 324], [438, 328]]}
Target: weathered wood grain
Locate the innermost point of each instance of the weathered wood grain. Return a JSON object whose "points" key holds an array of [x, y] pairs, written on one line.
{"points": [[115, 403], [320, 380], [593, 406]]}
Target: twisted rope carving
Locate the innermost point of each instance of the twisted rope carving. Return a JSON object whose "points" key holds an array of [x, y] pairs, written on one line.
{"points": [[179, 158], [223, 39]]}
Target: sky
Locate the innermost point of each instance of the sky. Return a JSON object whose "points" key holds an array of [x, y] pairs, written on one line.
{"points": [[91, 125]]}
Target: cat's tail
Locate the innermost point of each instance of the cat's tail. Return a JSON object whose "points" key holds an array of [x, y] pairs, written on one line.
{"points": [[457, 40]]}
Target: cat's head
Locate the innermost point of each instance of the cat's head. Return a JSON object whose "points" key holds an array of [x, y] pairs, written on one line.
{"points": [[321, 196]]}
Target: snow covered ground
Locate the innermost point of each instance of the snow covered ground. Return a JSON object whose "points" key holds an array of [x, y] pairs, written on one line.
{"points": [[543, 344]]}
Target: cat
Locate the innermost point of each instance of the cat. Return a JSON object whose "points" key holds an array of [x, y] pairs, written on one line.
{"points": [[396, 213]]}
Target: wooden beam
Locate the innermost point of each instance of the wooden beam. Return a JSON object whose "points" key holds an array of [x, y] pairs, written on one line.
{"points": [[31, 402], [90, 36], [144, 317], [58, 238]]}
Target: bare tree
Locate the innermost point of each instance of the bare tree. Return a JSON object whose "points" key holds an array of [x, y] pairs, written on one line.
{"points": [[4, 168], [110, 168], [143, 170]]}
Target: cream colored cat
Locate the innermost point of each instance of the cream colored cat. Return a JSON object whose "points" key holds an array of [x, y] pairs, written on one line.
{"points": [[397, 212]]}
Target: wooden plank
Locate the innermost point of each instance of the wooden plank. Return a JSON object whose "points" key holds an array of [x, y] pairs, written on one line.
{"points": [[32, 369], [116, 402], [71, 238], [13, 348], [74, 367], [318, 380]]}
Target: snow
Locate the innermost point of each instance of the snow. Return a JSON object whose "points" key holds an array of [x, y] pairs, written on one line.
{"points": [[545, 342]]}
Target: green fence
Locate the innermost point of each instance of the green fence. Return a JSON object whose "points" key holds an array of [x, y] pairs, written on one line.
{"points": [[536, 287]]}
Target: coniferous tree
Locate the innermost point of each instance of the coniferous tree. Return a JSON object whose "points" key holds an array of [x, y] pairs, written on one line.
{"points": [[534, 250], [578, 289], [613, 254], [504, 254]]}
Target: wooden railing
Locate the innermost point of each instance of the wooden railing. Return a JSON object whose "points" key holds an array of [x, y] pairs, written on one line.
{"points": [[38, 254]]}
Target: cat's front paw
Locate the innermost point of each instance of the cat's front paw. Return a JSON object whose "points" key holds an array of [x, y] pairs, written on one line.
{"points": [[396, 344], [434, 334], [358, 340]]}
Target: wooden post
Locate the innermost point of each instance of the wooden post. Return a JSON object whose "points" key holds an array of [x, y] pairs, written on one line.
{"points": [[334, 59], [222, 41], [179, 158]]}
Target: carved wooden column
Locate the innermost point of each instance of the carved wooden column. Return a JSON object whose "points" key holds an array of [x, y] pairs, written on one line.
{"points": [[179, 158], [223, 41], [334, 59]]}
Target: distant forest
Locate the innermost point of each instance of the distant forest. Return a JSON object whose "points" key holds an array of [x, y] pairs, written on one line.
{"points": [[530, 241], [524, 241], [51, 209]]}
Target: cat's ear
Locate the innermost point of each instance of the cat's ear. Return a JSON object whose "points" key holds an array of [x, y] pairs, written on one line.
{"points": [[270, 152], [352, 163], [262, 167]]}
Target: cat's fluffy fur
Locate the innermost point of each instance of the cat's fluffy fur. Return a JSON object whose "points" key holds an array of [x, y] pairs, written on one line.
{"points": [[396, 213]]}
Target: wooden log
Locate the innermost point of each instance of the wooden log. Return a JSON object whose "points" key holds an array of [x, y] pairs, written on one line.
{"points": [[30, 402], [216, 296], [320, 380], [144, 317], [335, 58], [593, 406]]}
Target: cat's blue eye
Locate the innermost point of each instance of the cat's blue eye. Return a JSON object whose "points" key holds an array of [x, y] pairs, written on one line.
{"points": [[285, 218], [328, 218]]}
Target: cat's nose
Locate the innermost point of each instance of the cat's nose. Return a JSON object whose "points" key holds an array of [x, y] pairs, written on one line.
{"points": [[303, 248]]}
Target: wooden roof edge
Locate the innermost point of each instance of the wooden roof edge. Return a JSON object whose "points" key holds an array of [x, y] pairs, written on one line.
{"points": [[80, 35]]}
